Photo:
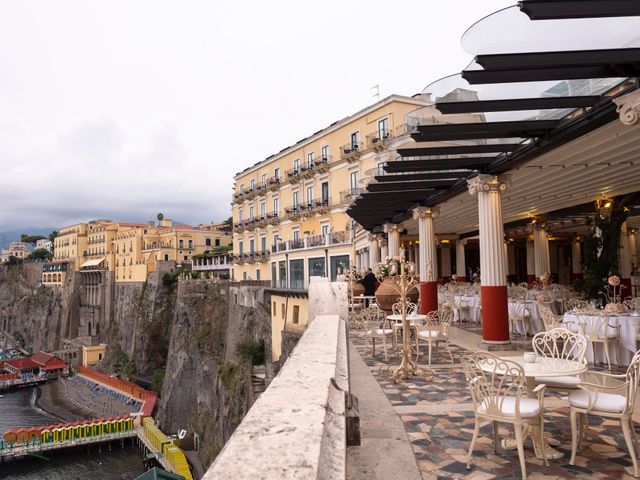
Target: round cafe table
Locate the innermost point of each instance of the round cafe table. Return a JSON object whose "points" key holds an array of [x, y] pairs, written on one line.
{"points": [[542, 367], [414, 319]]}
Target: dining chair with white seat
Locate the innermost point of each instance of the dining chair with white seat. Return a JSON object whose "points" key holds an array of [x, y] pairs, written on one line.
{"points": [[499, 395], [520, 313], [549, 319], [608, 396], [575, 304], [376, 326], [564, 344], [434, 331], [597, 329]]}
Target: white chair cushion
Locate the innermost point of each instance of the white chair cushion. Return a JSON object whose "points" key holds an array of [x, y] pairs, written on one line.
{"points": [[380, 331], [529, 407], [559, 382], [428, 333], [604, 402]]}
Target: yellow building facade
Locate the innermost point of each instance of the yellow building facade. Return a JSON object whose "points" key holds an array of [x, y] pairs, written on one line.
{"points": [[92, 355], [289, 209]]}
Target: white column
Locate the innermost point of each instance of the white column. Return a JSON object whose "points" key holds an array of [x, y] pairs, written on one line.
{"points": [[461, 267], [541, 249], [445, 260], [531, 261], [374, 252], [625, 256], [576, 256], [384, 250], [393, 237], [427, 243], [493, 271]]}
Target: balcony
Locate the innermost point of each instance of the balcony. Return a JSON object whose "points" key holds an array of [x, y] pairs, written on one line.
{"points": [[378, 140], [313, 241], [351, 151], [318, 166], [348, 196], [317, 206], [294, 174], [273, 184], [293, 213]]}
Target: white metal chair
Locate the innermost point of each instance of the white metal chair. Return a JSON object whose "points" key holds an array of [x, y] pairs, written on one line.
{"points": [[396, 309], [609, 396], [521, 313], [597, 329], [435, 331], [575, 304], [549, 319], [499, 394], [376, 326], [560, 343]]}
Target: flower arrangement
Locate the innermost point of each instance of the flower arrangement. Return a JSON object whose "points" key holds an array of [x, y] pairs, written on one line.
{"points": [[613, 293], [544, 279], [454, 279], [393, 266], [352, 274]]}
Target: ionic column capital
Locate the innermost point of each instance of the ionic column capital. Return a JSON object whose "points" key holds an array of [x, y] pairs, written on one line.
{"points": [[488, 183], [628, 107], [425, 212], [391, 227], [461, 241]]}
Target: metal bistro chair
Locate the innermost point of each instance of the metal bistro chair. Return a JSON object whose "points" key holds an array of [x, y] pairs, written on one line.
{"points": [[564, 344], [597, 329], [499, 394], [549, 319], [575, 304], [396, 309], [435, 331], [376, 326], [609, 396]]}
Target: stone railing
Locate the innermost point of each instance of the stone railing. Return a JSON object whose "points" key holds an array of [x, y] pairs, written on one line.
{"points": [[297, 428]]}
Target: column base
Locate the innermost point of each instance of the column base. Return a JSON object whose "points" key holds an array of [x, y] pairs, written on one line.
{"points": [[495, 347], [428, 297], [495, 314]]}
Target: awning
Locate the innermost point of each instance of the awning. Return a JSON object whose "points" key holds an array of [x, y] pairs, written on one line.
{"points": [[92, 263]]}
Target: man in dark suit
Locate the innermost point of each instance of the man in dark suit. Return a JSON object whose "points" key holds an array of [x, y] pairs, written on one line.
{"points": [[369, 283]]}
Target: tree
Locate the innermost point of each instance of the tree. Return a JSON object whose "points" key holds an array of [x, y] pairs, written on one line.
{"points": [[40, 254], [32, 239], [227, 225], [13, 260]]}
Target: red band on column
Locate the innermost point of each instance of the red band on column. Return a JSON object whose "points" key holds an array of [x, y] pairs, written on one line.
{"points": [[428, 297], [495, 314]]}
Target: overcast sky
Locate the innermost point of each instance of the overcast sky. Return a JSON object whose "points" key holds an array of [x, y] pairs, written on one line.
{"points": [[122, 109]]}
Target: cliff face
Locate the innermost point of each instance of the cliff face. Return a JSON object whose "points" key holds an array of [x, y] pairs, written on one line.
{"points": [[207, 386]]}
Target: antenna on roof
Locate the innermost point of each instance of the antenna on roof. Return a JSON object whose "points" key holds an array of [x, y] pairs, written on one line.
{"points": [[377, 94]]}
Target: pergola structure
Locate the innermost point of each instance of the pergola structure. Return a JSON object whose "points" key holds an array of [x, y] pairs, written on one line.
{"points": [[551, 122]]}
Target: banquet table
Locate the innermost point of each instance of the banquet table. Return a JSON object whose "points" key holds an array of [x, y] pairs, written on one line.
{"points": [[473, 313], [517, 309], [542, 367], [628, 346]]}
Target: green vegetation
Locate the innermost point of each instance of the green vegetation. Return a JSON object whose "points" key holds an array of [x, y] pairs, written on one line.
{"points": [[251, 350], [19, 338], [227, 374], [158, 379], [123, 365], [170, 279], [32, 239], [40, 254], [13, 260]]}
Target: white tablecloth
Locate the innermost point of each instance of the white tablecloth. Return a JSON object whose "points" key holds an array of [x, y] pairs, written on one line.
{"points": [[628, 344], [517, 310], [473, 313]]}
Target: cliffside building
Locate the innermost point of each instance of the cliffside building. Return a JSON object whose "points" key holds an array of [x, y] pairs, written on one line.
{"points": [[19, 250]]}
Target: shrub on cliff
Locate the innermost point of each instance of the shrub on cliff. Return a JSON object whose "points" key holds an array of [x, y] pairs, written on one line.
{"points": [[251, 350], [158, 379]]}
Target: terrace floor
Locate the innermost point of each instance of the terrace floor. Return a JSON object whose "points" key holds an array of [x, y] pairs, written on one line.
{"points": [[437, 415]]}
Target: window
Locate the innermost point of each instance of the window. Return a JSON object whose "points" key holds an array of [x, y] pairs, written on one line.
{"points": [[296, 236], [180, 243], [325, 229], [355, 140], [317, 267], [252, 246], [263, 182], [186, 258], [276, 206], [383, 128], [309, 196], [217, 242], [252, 213], [240, 247], [258, 274], [166, 257], [311, 161], [339, 265], [296, 270], [325, 193], [273, 277], [353, 180], [240, 215], [252, 185], [296, 165], [282, 310], [282, 270], [263, 210], [190, 244], [207, 242], [244, 275], [276, 174], [296, 314], [274, 308], [324, 153], [263, 244], [296, 200], [242, 188]]}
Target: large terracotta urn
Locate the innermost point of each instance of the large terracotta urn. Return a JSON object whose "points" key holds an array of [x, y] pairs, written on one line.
{"points": [[386, 295], [358, 289]]}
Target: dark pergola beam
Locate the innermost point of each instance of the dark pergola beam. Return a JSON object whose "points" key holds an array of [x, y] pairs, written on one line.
{"points": [[517, 104], [423, 176], [481, 130], [457, 150], [427, 186], [427, 165], [558, 9]]}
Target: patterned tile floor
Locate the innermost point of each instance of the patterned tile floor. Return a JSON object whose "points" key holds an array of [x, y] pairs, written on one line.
{"points": [[437, 413]]}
